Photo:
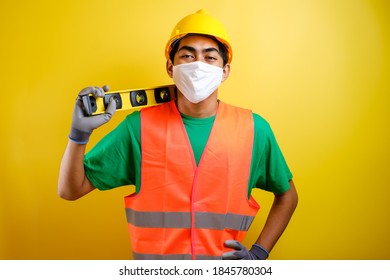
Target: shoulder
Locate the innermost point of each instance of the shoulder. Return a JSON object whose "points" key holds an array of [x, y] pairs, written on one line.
{"points": [[133, 117], [158, 108], [258, 120], [261, 126], [235, 111], [263, 131], [260, 123], [131, 122]]}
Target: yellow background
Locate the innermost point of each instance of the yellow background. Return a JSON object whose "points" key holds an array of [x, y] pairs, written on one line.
{"points": [[318, 71]]}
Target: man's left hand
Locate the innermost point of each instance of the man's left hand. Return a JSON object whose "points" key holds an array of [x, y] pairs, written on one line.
{"points": [[242, 253]]}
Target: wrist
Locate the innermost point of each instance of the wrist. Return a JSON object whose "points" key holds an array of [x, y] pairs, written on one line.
{"points": [[78, 136], [259, 252]]}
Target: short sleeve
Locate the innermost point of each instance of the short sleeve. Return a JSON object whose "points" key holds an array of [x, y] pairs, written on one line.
{"points": [[113, 161], [269, 170]]}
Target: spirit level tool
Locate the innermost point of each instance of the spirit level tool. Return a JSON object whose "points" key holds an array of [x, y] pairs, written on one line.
{"points": [[128, 99]]}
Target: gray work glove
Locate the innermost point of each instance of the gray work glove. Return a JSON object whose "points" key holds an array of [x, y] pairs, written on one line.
{"points": [[241, 252], [82, 125]]}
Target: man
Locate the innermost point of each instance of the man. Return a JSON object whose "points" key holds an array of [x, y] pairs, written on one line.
{"points": [[194, 160]]}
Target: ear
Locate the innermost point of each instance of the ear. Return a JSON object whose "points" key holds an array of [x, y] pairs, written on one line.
{"points": [[169, 68], [226, 72]]}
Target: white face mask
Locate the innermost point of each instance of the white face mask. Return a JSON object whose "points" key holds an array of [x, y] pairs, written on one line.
{"points": [[197, 80]]}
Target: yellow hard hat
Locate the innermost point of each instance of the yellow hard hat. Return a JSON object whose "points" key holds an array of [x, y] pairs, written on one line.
{"points": [[200, 23]]}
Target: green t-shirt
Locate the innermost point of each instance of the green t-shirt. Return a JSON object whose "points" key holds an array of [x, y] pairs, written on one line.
{"points": [[116, 160]]}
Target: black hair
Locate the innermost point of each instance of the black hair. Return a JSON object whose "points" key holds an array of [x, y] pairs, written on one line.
{"points": [[223, 50]]}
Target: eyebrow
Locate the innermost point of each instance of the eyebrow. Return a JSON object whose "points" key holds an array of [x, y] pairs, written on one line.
{"points": [[191, 49]]}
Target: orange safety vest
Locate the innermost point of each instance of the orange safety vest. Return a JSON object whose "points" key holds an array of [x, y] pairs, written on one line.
{"points": [[184, 211]]}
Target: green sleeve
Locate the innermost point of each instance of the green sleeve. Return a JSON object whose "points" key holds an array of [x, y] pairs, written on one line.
{"points": [[114, 161], [269, 170]]}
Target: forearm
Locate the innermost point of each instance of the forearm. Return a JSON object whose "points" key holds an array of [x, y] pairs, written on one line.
{"points": [[278, 218], [72, 182]]}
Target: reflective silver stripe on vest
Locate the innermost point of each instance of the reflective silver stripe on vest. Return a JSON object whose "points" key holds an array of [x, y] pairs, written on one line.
{"points": [[138, 256], [158, 219], [183, 220], [222, 221]]}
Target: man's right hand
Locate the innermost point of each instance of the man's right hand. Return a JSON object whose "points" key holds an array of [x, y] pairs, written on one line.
{"points": [[82, 125]]}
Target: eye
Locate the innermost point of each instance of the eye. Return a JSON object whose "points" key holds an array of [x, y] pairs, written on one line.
{"points": [[186, 56], [211, 58]]}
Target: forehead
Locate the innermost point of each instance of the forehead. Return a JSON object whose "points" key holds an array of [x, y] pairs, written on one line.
{"points": [[198, 42]]}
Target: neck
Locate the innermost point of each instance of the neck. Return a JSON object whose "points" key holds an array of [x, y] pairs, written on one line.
{"points": [[204, 109]]}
